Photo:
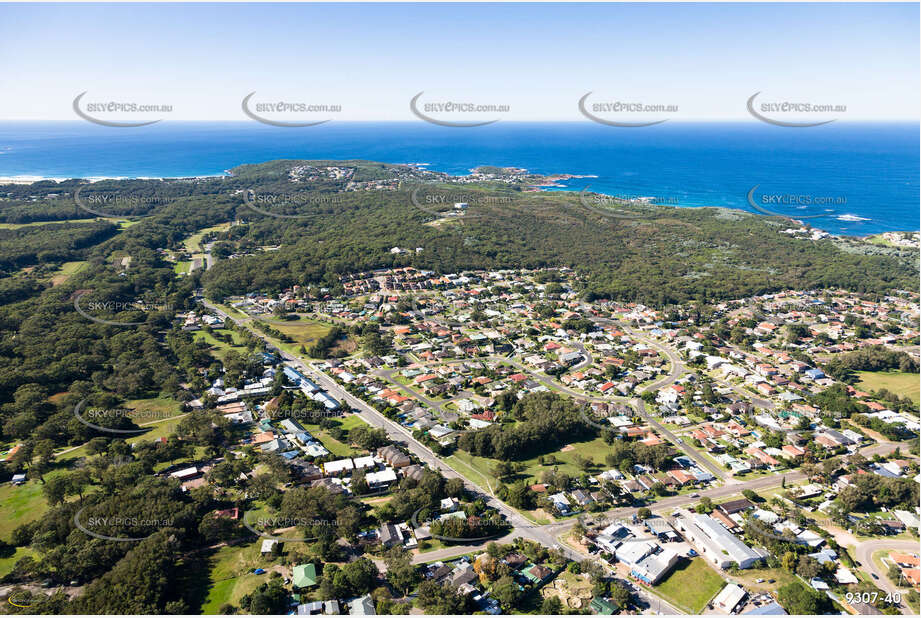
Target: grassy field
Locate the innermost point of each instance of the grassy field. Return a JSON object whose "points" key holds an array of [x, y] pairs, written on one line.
{"points": [[218, 348], [161, 414], [193, 242], [7, 564], [337, 448], [67, 270], [231, 574], [15, 226], [748, 579], [565, 461], [303, 332], [20, 505], [690, 585], [902, 384], [182, 268]]}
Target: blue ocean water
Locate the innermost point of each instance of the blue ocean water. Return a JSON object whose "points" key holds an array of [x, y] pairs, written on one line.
{"points": [[865, 175]]}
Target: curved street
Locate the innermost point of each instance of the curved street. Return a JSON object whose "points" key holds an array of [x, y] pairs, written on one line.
{"points": [[864, 553], [549, 534]]}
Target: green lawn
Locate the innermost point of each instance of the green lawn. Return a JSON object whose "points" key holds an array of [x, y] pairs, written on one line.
{"points": [[182, 268], [218, 348], [749, 579], [161, 414], [690, 585], [430, 545], [193, 242], [565, 461], [67, 270], [20, 505], [231, 574], [897, 382], [7, 564], [154, 409], [304, 332], [15, 226], [337, 448]]}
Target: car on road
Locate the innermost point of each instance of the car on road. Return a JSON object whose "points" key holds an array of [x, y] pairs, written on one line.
{"points": [[691, 553], [694, 495], [874, 575]]}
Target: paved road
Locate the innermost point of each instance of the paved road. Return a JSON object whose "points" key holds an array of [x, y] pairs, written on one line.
{"points": [[864, 553], [387, 374], [547, 535], [544, 535], [587, 359], [679, 443]]}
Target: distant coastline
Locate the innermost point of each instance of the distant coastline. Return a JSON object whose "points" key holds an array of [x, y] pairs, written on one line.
{"points": [[875, 167], [549, 183]]}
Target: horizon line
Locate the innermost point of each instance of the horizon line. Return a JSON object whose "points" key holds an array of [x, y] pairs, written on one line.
{"points": [[740, 119]]}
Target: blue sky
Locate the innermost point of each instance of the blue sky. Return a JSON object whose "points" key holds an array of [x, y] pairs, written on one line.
{"points": [[537, 58]]}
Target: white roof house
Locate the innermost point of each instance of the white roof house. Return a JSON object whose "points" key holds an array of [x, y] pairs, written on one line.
{"points": [[715, 543], [364, 462], [387, 475], [729, 597], [268, 545], [340, 465]]}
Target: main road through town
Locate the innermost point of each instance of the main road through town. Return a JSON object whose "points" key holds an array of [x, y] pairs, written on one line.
{"points": [[547, 535]]}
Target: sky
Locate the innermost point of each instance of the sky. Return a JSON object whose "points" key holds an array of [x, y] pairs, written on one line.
{"points": [[537, 59]]}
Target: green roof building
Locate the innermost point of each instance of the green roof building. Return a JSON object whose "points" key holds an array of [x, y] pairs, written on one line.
{"points": [[603, 606], [305, 576]]}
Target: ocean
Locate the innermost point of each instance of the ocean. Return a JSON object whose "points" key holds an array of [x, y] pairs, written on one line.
{"points": [[850, 179]]}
